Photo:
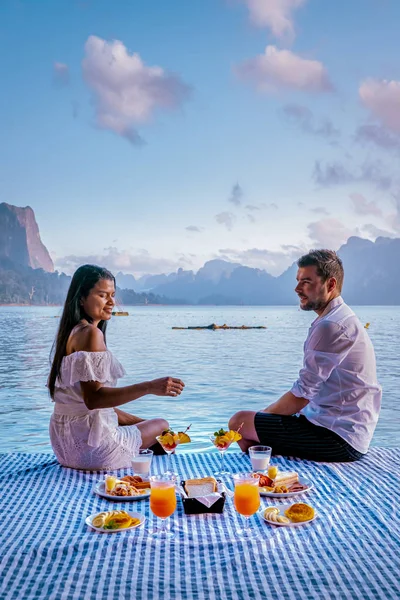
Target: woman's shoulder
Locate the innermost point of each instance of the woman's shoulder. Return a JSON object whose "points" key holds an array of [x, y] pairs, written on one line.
{"points": [[86, 338]]}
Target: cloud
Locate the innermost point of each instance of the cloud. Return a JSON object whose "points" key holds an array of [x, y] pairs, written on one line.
{"points": [[320, 210], [337, 174], [382, 98], [304, 118], [61, 74], [127, 93], [374, 232], [236, 195], [227, 219], [251, 218], [139, 263], [194, 229], [273, 261], [274, 14], [282, 69], [329, 233], [378, 135], [363, 207]]}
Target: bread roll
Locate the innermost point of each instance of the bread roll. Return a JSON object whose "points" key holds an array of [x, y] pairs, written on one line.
{"points": [[200, 487]]}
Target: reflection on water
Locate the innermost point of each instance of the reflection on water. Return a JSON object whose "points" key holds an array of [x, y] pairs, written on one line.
{"points": [[224, 371]]}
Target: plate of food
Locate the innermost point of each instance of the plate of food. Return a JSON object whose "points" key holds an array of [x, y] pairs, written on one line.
{"points": [[283, 484], [288, 515], [113, 521], [129, 488]]}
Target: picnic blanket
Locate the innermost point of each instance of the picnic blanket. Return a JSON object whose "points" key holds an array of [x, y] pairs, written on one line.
{"points": [[351, 550]]}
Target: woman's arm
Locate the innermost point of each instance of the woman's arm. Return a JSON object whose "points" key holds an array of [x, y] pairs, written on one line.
{"points": [[97, 396]]}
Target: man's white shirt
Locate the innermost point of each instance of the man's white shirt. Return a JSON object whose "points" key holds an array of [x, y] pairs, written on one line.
{"points": [[339, 376]]}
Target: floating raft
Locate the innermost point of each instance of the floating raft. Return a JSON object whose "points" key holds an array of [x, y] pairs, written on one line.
{"points": [[213, 327], [120, 313]]}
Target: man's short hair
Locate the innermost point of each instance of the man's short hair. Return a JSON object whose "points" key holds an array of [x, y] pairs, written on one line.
{"points": [[328, 265]]}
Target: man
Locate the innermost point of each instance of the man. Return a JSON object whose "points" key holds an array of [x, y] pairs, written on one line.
{"points": [[331, 411]]}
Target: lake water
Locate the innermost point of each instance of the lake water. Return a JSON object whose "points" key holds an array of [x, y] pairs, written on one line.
{"points": [[224, 371]]}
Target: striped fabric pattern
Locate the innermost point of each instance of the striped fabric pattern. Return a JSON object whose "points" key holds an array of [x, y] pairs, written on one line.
{"points": [[350, 551]]}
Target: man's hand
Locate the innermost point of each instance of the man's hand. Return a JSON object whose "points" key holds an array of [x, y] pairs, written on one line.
{"points": [[288, 404], [166, 386]]}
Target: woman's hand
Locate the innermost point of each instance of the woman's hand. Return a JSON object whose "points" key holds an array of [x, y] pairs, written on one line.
{"points": [[166, 386]]}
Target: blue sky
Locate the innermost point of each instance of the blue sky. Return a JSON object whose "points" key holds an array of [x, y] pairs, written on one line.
{"points": [[154, 135]]}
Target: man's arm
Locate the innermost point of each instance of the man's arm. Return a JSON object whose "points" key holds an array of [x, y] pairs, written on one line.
{"points": [[288, 404]]}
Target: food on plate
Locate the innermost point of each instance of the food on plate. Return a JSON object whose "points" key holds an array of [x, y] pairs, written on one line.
{"points": [[264, 480], [224, 438], [114, 519], [109, 482], [272, 514], [127, 486], [136, 481], [282, 483], [169, 439], [272, 472], [99, 519], [300, 512], [200, 487]]}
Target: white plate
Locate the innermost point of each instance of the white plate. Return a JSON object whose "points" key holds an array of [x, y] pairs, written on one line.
{"points": [[100, 490], [134, 515], [282, 509], [289, 494]]}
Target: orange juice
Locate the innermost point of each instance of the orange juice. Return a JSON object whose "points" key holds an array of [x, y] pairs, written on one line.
{"points": [[247, 498], [162, 499]]}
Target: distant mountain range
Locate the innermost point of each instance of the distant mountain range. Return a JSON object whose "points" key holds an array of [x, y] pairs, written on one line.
{"points": [[372, 272]]}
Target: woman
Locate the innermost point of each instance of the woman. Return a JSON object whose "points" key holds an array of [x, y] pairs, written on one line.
{"points": [[87, 430]]}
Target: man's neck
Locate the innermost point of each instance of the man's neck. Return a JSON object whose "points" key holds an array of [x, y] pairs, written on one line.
{"points": [[321, 311]]}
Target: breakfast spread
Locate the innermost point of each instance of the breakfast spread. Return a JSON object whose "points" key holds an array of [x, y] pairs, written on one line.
{"points": [[114, 519], [300, 512], [223, 439], [296, 513], [127, 486], [200, 487], [169, 439], [280, 482], [272, 514]]}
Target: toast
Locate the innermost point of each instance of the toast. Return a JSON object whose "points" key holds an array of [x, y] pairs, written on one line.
{"points": [[200, 487]]}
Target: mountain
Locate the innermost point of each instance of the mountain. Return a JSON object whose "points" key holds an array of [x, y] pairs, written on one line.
{"points": [[214, 270], [20, 239], [372, 271], [127, 282]]}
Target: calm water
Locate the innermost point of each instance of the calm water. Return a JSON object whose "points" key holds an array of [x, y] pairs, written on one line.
{"points": [[224, 371]]}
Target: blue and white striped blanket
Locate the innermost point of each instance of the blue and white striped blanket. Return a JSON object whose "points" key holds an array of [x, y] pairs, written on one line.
{"points": [[350, 551]]}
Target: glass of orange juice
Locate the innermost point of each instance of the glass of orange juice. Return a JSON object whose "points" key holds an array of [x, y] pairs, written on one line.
{"points": [[246, 498], [162, 502]]}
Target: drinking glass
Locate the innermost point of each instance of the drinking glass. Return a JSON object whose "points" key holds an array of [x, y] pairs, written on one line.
{"points": [[246, 499], [141, 463], [260, 457], [221, 449], [162, 503], [169, 449]]}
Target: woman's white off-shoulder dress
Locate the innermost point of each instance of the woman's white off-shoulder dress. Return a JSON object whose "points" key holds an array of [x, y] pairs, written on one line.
{"points": [[83, 438]]}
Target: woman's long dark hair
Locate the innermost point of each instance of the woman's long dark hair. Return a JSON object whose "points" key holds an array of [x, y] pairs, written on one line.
{"points": [[83, 280]]}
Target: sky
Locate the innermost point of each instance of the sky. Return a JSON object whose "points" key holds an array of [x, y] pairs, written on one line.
{"points": [[152, 135]]}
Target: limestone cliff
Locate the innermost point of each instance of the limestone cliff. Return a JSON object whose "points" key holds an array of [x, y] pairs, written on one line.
{"points": [[20, 239]]}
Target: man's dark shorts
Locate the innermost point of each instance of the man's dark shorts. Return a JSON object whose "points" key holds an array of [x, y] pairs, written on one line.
{"points": [[296, 436]]}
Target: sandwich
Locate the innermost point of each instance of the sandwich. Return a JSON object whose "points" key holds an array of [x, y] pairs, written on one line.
{"points": [[286, 478], [200, 487]]}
